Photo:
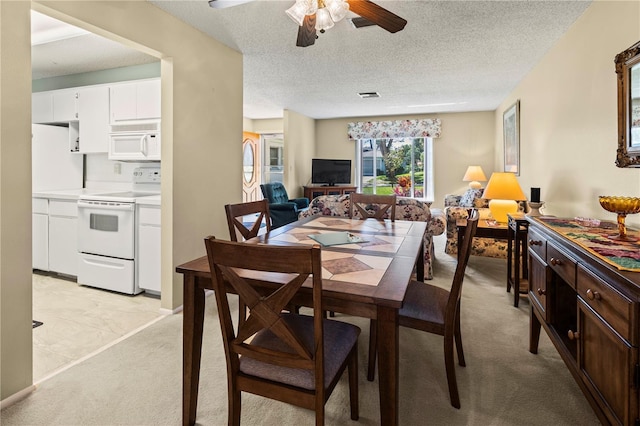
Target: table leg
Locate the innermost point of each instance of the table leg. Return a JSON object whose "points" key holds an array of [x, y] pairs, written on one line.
{"points": [[193, 318], [420, 264], [388, 364], [510, 237], [534, 332], [516, 271]]}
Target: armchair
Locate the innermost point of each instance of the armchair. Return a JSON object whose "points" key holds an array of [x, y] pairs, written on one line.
{"points": [[282, 209]]}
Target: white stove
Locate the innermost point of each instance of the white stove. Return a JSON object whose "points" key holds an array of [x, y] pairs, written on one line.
{"points": [[107, 233]]}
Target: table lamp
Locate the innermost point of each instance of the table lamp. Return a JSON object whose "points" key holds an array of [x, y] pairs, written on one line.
{"points": [[503, 190], [473, 175]]}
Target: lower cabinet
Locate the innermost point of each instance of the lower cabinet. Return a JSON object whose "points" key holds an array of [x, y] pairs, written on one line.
{"points": [[63, 237], [40, 234], [148, 256]]}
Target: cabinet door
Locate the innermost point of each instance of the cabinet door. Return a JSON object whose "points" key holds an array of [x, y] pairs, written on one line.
{"points": [[42, 107], [149, 257], [65, 105], [40, 241], [93, 114], [148, 99], [63, 245], [607, 363], [122, 100]]}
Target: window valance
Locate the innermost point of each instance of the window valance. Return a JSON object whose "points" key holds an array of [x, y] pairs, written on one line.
{"points": [[429, 128]]}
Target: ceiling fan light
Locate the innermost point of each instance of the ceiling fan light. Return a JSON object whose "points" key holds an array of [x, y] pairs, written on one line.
{"points": [[338, 9], [323, 19], [298, 11]]}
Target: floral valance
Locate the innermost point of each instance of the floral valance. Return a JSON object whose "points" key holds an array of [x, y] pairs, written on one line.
{"points": [[429, 128]]}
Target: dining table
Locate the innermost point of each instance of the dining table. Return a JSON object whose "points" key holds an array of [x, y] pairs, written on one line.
{"points": [[365, 274]]}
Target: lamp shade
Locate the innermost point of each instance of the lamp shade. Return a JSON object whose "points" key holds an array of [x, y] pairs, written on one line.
{"points": [[502, 190], [473, 175]]}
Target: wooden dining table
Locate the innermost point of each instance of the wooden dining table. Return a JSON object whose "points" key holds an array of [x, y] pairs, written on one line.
{"points": [[367, 278]]}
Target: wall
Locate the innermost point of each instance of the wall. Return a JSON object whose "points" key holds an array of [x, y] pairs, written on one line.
{"points": [[201, 127], [299, 149], [569, 116], [467, 139]]}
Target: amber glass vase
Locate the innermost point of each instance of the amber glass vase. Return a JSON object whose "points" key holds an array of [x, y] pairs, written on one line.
{"points": [[622, 206]]}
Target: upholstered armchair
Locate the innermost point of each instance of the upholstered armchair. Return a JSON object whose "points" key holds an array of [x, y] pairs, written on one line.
{"points": [[456, 207], [282, 209], [406, 209]]}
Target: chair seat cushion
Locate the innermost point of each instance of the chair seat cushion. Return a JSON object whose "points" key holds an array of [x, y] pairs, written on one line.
{"points": [[339, 340], [424, 302]]}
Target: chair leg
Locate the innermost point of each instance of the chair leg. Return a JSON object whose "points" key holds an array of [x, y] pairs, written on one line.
{"points": [[353, 383], [458, 337], [451, 368], [235, 402], [373, 345]]}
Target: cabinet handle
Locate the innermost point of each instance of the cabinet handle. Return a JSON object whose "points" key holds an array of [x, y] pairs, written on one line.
{"points": [[541, 292], [591, 295], [573, 335], [555, 262], [535, 243]]}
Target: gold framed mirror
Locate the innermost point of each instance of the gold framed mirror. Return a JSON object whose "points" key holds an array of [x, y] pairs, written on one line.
{"points": [[628, 73]]}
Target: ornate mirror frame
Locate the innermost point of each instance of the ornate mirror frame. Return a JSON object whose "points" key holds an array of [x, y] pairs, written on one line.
{"points": [[628, 73]]}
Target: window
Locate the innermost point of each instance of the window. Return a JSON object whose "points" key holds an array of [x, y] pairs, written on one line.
{"points": [[401, 166]]}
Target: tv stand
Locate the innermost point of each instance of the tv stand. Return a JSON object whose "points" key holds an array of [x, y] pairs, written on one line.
{"points": [[314, 191]]}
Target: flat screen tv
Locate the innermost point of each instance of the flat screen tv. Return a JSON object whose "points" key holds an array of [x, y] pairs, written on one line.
{"points": [[330, 172]]}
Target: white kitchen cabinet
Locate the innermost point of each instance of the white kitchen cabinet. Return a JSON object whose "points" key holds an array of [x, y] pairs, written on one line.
{"points": [[93, 116], [65, 105], [148, 259], [135, 101], [42, 107], [63, 236], [40, 234]]}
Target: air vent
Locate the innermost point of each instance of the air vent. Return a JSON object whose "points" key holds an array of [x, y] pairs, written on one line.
{"points": [[366, 95], [360, 22]]}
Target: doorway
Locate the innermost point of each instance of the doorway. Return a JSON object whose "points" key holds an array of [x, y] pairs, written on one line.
{"points": [[273, 157]]}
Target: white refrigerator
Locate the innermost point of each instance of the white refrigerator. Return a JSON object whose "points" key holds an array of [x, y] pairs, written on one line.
{"points": [[53, 164]]}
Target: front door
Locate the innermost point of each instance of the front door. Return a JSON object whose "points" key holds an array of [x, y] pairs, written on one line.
{"points": [[251, 167]]}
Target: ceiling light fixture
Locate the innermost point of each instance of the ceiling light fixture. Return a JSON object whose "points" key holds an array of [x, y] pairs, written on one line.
{"points": [[327, 12], [365, 95]]}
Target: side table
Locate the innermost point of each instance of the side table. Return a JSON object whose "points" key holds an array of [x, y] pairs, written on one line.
{"points": [[518, 228]]}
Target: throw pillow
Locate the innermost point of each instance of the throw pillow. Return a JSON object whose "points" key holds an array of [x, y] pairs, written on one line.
{"points": [[469, 198]]}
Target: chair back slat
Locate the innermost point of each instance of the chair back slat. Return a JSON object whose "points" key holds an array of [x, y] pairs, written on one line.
{"points": [[373, 206], [244, 267], [258, 211]]}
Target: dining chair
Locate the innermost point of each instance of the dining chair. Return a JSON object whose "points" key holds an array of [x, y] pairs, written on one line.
{"points": [[373, 206], [245, 220], [297, 359], [436, 310]]}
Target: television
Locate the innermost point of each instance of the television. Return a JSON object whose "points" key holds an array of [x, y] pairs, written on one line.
{"points": [[330, 172]]}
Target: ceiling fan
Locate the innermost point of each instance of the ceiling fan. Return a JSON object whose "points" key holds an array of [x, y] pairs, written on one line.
{"points": [[318, 15]]}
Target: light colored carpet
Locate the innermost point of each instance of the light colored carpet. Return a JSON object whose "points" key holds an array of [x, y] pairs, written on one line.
{"points": [[138, 381]]}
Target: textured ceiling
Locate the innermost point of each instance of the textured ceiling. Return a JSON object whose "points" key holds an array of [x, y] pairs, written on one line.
{"points": [[452, 56]]}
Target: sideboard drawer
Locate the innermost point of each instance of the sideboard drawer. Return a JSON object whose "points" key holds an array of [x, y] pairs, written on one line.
{"points": [[562, 264], [537, 244], [615, 308]]}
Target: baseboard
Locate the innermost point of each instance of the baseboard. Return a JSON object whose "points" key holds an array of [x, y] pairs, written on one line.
{"points": [[16, 397]]}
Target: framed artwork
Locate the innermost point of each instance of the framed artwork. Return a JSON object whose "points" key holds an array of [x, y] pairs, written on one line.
{"points": [[511, 129]]}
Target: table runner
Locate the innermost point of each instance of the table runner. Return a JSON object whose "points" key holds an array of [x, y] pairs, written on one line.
{"points": [[624, 255]]}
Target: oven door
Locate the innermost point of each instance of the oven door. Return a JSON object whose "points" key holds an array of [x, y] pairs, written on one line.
{"points": [[106, 228]]}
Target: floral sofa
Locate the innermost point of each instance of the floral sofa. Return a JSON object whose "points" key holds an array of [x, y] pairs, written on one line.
{"points": [[406, 209], [456, 207]]}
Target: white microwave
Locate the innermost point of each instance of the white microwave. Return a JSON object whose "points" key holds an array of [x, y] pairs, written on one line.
{"points": [[135, 143]]}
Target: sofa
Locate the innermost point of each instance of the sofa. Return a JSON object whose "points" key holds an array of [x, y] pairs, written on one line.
{"points": [[456, 207], [406, 209]]}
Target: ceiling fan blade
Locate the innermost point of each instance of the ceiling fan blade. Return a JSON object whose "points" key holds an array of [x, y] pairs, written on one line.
{"points": [[221, 4], [307, 31], [378, 15]]}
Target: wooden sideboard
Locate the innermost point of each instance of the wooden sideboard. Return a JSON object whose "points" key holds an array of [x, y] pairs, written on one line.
{"points": [[314, 191], [590, 310]]}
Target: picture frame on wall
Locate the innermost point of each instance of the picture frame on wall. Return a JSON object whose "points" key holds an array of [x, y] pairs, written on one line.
{"points": [[511, 131]]}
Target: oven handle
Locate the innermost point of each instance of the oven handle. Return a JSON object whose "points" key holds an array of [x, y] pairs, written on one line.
{"points": [[115, 206]]}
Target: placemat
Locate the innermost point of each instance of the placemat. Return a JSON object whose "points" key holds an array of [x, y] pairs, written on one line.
{"points": [[624, 255]]}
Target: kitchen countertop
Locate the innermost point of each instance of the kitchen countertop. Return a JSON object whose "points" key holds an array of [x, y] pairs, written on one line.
{"points": [[74, 194]]}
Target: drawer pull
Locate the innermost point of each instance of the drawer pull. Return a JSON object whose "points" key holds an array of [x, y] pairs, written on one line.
{"points": [[591, 295], [573, 335], [555, 262], [535, 243], [541, 292]]}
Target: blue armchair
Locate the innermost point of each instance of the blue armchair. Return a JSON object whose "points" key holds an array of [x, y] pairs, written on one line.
{"points": [[282, 209]]}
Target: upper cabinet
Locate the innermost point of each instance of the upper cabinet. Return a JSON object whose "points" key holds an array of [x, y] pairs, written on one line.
{"points": [[135, 101], [42, 107], [65, 105], [93, 114]]}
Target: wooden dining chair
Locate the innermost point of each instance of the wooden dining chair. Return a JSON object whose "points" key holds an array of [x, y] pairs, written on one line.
{"points": [[289, 357], [256, 213], [436, 310], [373, 206]]}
